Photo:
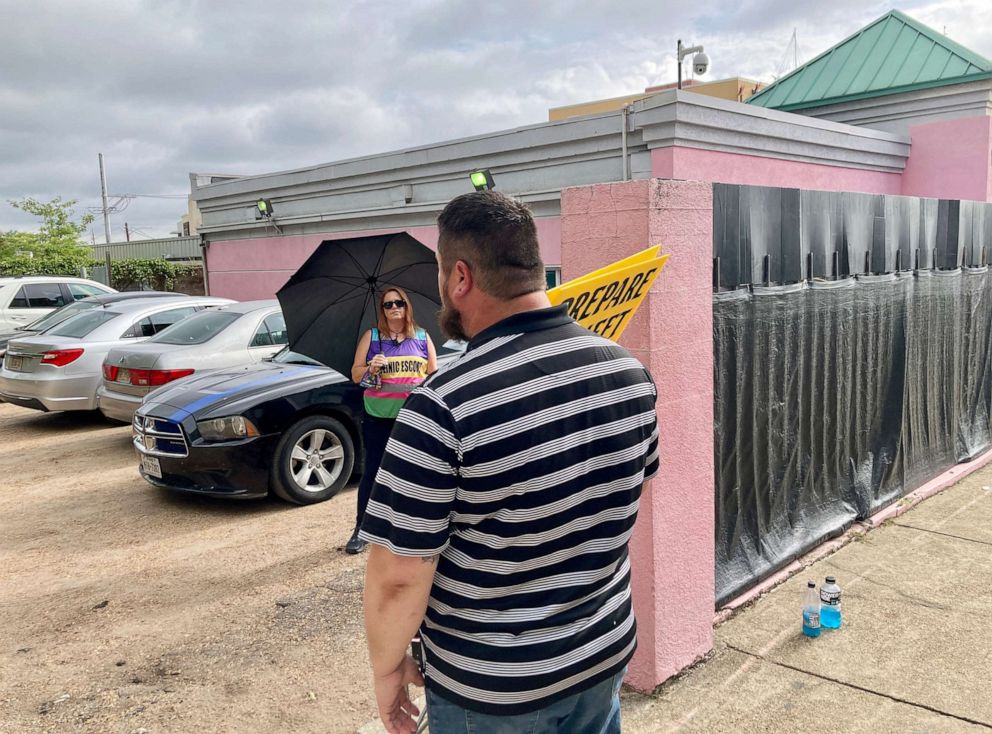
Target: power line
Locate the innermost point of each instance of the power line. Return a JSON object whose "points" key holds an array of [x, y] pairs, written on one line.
{"points": [[152, 196], [143, 233], [123, 201], [116, 208]]}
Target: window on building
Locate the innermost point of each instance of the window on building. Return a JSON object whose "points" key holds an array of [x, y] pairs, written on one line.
{"points": [[553, 277]]}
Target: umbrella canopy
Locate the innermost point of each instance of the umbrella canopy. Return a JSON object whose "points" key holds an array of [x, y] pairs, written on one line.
{"points": [[333, 298]]}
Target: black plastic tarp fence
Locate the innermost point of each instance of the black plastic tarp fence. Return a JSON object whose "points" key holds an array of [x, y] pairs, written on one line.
{"points": [[838, 392]]}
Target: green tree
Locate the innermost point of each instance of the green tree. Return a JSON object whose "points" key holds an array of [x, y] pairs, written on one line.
{"points": [[55, 249], [12, 243], [59, 228]]}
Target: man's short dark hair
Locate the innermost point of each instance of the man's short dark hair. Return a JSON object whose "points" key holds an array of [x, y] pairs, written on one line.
{"points": [[496, 236]]}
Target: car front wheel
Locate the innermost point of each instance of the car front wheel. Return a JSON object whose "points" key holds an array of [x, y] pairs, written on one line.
{"points": [[313, 460]]}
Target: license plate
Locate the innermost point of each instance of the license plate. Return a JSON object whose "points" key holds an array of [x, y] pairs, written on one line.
{"points": [[123, 375], [15, 363], [150, 466]]}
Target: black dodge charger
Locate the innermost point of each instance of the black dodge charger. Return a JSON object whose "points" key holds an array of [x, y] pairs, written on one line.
{"points": [[290, 425]]}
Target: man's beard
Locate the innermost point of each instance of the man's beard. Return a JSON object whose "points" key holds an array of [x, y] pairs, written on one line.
{"points": [[450, 320]]}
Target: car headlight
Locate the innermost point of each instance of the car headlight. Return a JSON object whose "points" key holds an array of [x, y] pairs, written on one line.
{"points": [[225, 429]]}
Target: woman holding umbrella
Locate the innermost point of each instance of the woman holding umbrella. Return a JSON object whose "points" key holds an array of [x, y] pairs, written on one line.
{"points": [[390, 360]]}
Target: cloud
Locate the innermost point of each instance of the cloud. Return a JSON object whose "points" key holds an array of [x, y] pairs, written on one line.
{"points": [[165, 87]]}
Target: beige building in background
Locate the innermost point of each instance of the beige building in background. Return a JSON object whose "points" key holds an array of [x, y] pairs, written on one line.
{"points": [[189, 223], [736, 89]]}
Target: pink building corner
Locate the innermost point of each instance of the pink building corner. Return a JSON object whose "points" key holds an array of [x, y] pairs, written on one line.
{"points": [[672, 547]]}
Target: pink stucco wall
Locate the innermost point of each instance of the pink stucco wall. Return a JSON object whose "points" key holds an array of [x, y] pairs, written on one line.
{"points": [[951, 160], [672, 547], [255, 268], [720, 167]]}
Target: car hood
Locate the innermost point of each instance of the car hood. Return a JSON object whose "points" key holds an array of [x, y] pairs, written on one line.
{"points": [[215, 391]]}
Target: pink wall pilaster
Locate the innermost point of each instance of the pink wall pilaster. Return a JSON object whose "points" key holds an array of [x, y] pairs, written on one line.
{"points": [[951, 159], [672, 548]]}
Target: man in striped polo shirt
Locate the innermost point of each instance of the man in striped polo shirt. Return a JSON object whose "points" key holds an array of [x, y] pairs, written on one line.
{"points": [[501, 512]]}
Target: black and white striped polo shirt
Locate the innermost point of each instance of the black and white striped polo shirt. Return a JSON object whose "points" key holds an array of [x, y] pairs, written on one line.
{"points": [[521, 465]]}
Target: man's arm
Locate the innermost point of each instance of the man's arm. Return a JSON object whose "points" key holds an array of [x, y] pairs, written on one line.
{"points": [[396, 593], [407, 524]]}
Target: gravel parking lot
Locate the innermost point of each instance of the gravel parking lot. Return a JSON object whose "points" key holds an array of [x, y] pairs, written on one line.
{"points": [[124, 608]]}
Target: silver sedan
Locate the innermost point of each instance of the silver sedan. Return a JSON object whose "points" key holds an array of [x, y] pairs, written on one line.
{"points": [[235, 336], [62, 368]]}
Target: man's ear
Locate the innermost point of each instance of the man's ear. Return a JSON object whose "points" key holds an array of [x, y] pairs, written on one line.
{"points": [[463, 282]]}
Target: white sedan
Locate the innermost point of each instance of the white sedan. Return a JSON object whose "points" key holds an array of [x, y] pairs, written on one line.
{"points": [[62, 368]]}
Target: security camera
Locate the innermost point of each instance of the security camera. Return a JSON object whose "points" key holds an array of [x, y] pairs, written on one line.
{"points": [[700, 63]]}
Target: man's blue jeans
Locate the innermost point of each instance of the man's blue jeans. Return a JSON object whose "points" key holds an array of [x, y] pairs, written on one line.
{"points": [[595, 710]]}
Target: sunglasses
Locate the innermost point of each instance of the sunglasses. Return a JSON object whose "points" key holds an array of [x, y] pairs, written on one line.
{"points": [[398, 303]]}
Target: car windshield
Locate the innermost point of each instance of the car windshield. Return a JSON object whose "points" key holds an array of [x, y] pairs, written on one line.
{"points": [[82, 324], [288, 356], [59, 315], [196, 329]]}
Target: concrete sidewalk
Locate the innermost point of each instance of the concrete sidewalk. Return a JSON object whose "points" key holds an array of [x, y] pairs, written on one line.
{"points": [[914, 653]]}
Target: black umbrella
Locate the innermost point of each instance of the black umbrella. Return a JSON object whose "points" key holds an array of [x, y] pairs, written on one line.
{"points": [[333, 298]]}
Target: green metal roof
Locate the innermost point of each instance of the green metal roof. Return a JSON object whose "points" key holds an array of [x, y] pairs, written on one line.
{"points": [[893, 54]]}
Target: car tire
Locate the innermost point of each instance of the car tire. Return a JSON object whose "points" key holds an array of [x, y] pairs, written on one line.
{"points": [[313, 460]]}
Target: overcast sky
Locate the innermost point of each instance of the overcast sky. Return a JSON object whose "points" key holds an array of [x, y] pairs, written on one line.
{"points": [[163, 87]]}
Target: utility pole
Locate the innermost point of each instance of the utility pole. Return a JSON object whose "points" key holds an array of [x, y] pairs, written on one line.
{"points": [[103, 193], [127, 233]]}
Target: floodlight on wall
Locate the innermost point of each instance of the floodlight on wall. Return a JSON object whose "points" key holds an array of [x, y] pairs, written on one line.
{"points": [[264, 212], [263, 208], [482, 180]]}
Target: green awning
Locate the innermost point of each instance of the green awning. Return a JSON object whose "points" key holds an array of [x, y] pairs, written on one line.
{"points": [[893, 54]]}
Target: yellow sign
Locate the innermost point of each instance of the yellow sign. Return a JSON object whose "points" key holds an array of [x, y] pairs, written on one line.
{"points": [[604, 301]]}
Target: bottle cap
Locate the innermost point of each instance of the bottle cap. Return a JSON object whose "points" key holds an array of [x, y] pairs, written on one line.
{"points": [[811, 584], [831, 580]]}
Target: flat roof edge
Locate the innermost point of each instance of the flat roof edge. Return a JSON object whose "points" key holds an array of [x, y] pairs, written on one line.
{"points": [[558, 140]]}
